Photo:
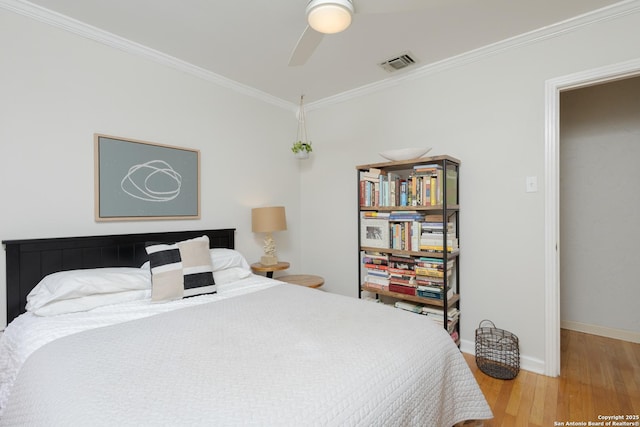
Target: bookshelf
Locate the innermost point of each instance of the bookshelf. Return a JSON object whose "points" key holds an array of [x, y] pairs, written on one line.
{"points": [[408, 234]]}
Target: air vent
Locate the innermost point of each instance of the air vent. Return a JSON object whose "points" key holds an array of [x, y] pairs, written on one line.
{"points": [[398, 63]]}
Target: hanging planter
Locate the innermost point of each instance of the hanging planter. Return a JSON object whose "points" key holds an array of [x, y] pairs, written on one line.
{"points": [[302, 147]]}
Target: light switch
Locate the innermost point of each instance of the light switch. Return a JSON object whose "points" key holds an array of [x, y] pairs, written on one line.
{"points": [[532, 184]]}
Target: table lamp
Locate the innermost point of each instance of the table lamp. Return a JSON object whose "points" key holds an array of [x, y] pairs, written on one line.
{"points": [[267, 220]]}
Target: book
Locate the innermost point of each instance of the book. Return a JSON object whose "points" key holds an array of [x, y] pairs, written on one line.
{"points": [[377, 286], [375, 214], [427, 166], [372, 173], [401, 289], [437, 226], [374, 263], [405, 216], [371, 278], [376, 267], [452, 187], [431, 281], [436, 248], [392, 181], [374, 260], [401, 272], [379, 273], [430, 272], [404, 193], [402, 262], [376, 255], [408, 306], [434, 265], [433, 199], [452, 312], [404, 281], [433, 294], [438, 242]]}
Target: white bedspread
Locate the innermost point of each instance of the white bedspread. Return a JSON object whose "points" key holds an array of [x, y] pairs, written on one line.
{"points": [[284, 355], [29, 332]]}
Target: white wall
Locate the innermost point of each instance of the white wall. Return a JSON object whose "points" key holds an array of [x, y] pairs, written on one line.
{"points": [[57, 89], [490, 114], [600, 200]]}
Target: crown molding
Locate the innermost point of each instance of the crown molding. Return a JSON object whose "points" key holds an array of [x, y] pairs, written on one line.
{"points": [[614, 11], [82, 29], [41, 14]]}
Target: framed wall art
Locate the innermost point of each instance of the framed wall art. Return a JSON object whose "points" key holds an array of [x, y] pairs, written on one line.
{"points": [[138, 180]]}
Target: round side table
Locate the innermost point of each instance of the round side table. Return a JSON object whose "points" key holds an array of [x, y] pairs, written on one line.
{"points": [[258, 267], [307, 280]]}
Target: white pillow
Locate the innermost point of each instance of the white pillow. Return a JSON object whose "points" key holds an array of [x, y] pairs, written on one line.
{"points": [[89, 302], [227, 258], [82, 290], [230, 274], [221, 259]]}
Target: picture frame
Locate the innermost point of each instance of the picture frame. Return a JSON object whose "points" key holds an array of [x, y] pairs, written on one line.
{"points": [[374, 233], [140, 180]]}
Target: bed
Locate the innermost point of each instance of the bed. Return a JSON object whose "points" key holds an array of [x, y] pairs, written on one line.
{"points": [[256, 352]]}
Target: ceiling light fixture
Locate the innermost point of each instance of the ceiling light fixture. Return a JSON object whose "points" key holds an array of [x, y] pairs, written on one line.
{"points": [[329, 16]]}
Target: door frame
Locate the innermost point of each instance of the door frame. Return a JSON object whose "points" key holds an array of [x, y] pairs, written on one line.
{"points": [[553, 87]]}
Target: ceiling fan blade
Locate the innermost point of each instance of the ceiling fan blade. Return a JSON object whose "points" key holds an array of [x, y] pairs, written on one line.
{"points": [[305, 47], [386, 6]]}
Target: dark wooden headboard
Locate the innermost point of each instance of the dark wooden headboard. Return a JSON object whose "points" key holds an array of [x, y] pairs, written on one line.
{"points": [[28, 261]]}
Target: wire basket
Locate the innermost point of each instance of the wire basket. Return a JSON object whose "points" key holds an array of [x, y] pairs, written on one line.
{"points": [[497, 351]]}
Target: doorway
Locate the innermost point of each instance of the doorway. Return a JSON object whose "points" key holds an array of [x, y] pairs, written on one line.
{"points": [[553, 88], [599, 201]]}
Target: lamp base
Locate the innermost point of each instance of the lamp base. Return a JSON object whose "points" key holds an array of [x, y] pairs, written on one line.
{"points": [[268, 260]]}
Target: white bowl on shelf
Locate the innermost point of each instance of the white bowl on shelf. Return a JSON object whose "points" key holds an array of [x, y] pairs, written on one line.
{"points": [[404, 153]]}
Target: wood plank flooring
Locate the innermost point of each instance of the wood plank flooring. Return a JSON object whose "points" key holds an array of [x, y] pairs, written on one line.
{"points": [[599, 376]]}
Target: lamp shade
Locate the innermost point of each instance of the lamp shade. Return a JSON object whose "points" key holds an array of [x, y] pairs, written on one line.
{"points": [[329, 16], [269, 219]]}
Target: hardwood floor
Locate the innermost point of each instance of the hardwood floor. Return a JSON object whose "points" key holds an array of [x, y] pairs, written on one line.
{"points": [[599, 376]]}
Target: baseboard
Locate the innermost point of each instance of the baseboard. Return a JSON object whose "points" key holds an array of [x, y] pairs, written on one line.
{"points": [[618, 334], [527, 363]]}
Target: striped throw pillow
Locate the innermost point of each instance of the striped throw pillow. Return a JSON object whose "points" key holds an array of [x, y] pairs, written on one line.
{"points": [[180, 269]]}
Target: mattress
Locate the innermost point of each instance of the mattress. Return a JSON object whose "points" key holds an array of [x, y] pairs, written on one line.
{"points": [[260, 352]]}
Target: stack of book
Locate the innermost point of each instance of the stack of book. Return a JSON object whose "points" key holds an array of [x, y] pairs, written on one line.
{"points": [[376, 265], [432, 236], [370, 187], [428, 188], [437, 315], [405, 230], [433, 292], [430, 274], [409, 306], [402, 278], [425, 187]]}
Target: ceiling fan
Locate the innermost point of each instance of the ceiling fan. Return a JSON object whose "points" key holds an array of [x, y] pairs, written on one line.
{"points": [[334, 16]]}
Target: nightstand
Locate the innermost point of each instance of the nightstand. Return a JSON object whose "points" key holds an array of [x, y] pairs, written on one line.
{"points": [[258, 267], [303, 280]]}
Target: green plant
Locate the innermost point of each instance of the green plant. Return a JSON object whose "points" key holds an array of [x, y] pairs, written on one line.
{"points": [[301, 146]]}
